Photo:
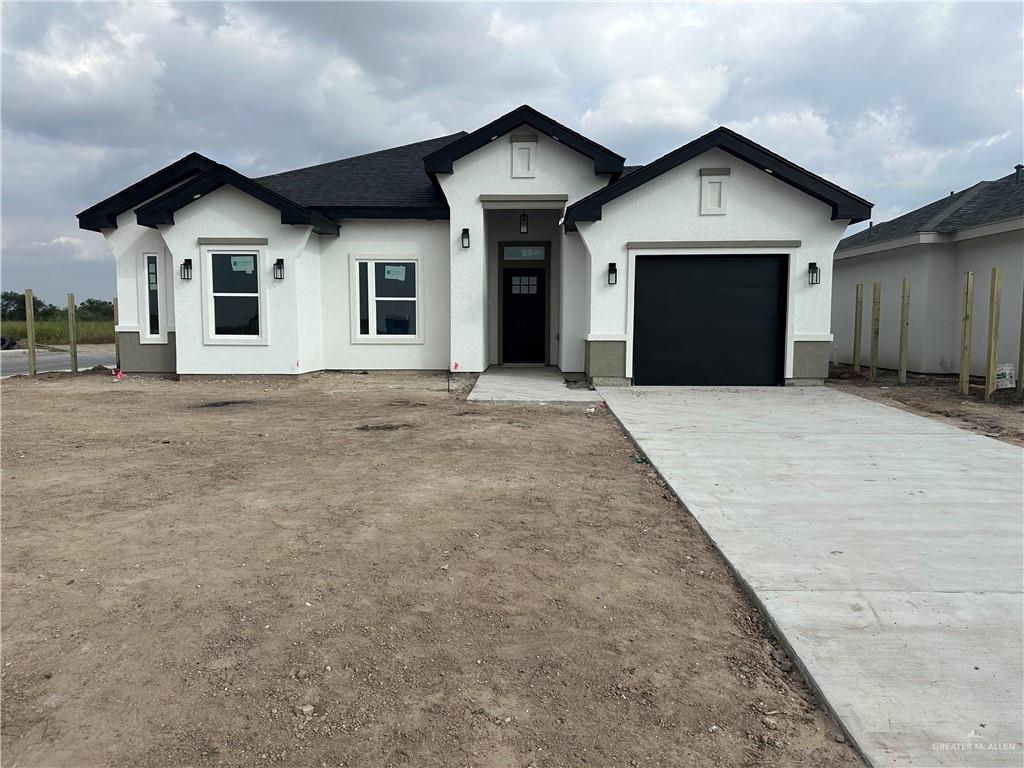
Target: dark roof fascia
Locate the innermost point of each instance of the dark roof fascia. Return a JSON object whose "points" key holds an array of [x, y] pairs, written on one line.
{"points": [[383, 212], [161, 211], [442, 160], [845, 205], [104, 214]]}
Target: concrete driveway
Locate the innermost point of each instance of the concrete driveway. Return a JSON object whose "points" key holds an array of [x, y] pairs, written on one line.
{"points": [[885, 547]]}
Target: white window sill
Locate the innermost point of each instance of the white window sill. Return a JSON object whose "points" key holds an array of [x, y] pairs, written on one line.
{"points": [[235, 341], [144, 339], [387, 340]]}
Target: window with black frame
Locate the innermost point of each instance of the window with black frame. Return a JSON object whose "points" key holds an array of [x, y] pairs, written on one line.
{"points": [[235, 293], [387, 298], [152, 294]]}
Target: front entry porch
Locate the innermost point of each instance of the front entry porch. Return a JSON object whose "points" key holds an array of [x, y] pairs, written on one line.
{"points": [[524, 266], [528, 384]]}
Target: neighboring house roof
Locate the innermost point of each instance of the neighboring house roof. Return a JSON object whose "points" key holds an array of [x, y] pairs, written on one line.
{"points": [[391, 182], [161, 210], [104, 214], [845, 205], [984, 203], [442, 160]]}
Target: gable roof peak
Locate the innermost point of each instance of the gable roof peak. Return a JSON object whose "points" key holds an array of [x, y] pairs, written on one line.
{"points": [[443, 160], [844, 204]]}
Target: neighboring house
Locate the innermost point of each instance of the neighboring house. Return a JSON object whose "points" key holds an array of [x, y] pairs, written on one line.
{"points": [[974, 230], [521, 242]]}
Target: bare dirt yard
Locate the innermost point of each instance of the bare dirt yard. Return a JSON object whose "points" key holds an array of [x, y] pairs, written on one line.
{"points": [[349, 570], [937, 397]]}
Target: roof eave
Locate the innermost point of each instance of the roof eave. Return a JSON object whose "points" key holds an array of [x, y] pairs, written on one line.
{"points": [[103, 215], [161, 211], [844, 205]]}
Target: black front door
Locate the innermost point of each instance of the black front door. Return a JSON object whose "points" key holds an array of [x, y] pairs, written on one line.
{"points": [[523, 303]]}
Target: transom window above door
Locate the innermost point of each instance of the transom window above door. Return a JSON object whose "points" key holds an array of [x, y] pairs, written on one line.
{"points": [[523, 252], [388, 300]]}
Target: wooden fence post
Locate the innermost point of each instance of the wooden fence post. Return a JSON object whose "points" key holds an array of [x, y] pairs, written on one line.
{"points": [[117, 342], [1020, 357], [72, 333], [876, 311], [965, 334], [858, 324], [30, 330], [994, 298], [904, 331]]}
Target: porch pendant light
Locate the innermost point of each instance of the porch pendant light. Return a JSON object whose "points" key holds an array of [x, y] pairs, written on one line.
{"points": [[813, 274], [524, 224]]}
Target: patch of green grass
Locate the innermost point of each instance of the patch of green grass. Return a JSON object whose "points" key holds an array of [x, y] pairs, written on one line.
{"points": [[56, 331]]}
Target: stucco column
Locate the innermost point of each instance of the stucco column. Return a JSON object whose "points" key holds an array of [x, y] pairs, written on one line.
{"points": [[468, 291]]}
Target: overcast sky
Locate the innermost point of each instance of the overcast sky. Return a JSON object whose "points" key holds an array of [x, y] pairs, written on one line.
{"points": [[900, 103]]}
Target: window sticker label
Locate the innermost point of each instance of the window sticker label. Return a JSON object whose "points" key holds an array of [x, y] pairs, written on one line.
{"points": [[394, 272], [243, 264]]}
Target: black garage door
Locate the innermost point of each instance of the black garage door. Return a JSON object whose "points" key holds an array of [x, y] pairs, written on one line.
{"points": [[709, 320]]}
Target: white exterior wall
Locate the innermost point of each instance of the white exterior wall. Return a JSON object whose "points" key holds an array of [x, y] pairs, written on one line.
{"points": [[936, 271], [229, 213], [488, 170], [574, 303], [426, 241], [668, 209], [128, 243]]}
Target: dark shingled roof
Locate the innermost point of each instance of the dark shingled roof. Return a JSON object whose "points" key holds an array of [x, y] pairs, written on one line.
{"points": [[984, 203], [390, 178]]}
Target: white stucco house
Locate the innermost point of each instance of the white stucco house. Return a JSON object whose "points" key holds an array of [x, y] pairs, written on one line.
{"points": [[521, 242], [973, 230]]}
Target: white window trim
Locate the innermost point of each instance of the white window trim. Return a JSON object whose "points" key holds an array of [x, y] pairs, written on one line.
{"points": [[706, 209], [145, 337], [532, 147], [206, 273], [371, 259]]}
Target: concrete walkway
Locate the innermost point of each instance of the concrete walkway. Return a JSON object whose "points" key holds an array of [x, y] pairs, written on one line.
{"points": [[528, 385], [885, 547]]}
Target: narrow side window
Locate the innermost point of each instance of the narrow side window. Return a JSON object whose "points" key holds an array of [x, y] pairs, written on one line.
{"points": [[152, 295]]}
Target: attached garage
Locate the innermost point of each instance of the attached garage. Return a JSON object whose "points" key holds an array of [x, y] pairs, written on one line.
{"points": [[710, 320]]}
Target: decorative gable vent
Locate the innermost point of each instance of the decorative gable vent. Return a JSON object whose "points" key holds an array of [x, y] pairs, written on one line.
{"points": [[712, 190], [524, 156]]}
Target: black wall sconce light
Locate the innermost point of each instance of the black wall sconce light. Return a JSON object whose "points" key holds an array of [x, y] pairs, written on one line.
{"points": [[279, 269], [186, 269], [813, 274], [524, 224], [465, 237], [613, 273]]}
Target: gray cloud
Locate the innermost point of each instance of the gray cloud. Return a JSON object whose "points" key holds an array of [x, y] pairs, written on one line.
{"points": [[900, 102]]}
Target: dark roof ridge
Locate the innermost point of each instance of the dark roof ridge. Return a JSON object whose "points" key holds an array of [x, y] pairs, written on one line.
{"points": [[962, 197], [453, 136]]}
